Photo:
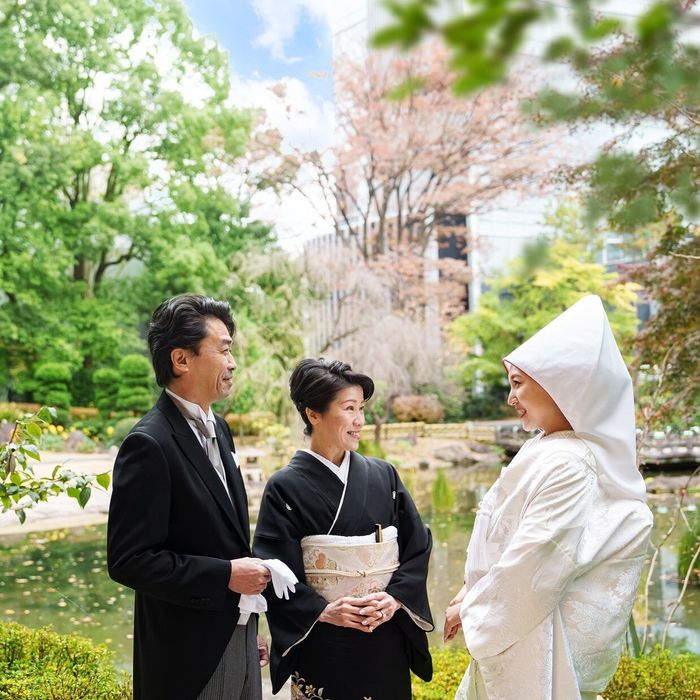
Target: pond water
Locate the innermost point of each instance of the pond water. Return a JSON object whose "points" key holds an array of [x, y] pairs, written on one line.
{"points": [[59, 578]]}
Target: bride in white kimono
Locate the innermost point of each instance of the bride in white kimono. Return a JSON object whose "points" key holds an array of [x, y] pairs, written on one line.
{"points": [[560, 539]]}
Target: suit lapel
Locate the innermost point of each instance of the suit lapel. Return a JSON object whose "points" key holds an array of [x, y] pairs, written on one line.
{"points": [[234, 479], [193, 451]]}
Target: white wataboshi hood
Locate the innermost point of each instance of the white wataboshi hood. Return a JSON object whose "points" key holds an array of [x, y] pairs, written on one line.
{"points": [[576, 360]]}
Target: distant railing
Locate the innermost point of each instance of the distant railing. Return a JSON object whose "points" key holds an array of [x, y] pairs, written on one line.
{"points": [[669, 449], [477, 432]]}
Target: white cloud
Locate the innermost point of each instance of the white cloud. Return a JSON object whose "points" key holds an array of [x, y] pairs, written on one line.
{"points": [[305, 122], [281, 19]]}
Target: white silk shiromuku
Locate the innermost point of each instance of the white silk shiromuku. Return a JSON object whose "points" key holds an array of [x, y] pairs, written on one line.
{"points": [[560, 539], [547, 615]]}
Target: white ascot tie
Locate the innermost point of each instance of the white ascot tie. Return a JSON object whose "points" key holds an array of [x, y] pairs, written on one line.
{"points": [[208, 432]]}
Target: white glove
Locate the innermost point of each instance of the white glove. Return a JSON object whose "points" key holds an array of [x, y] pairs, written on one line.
{"points": [[283, 578], [283, 581]]}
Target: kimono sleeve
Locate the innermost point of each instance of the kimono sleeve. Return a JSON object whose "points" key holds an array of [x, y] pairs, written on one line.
{"points": [[277, 537], [529, 579], [409, 582]]}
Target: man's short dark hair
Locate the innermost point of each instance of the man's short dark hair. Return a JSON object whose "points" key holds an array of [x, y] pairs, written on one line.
{"points": [[181, 322], [315, 383]]}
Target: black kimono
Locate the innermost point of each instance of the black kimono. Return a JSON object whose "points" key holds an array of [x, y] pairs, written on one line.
{"points": [[327, 661]]}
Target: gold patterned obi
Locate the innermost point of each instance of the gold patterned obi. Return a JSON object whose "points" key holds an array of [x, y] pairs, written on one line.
{"points": [[337, 566]]}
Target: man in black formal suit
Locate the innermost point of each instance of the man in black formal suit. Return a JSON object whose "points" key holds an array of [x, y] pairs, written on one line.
{"points": [[178, 530]]}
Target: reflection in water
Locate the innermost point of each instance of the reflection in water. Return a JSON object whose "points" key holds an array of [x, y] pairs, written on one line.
{"points": [[59, 578]]}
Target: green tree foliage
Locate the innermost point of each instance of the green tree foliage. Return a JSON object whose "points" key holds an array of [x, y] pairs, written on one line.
{"points": [[53, 384], [134, 393], [668, 343], [630, 73], [268, 294], [116, 144], [549, 277]]}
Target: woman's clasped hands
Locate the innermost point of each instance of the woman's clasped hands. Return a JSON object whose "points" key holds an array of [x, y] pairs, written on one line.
{"points": [[364, 614]]}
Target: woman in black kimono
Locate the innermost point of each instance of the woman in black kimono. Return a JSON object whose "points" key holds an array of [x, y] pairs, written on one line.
{"points": [[354, 647]]}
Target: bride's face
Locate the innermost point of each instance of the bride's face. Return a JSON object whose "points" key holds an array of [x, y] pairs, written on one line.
{"points": [[535, 407]]}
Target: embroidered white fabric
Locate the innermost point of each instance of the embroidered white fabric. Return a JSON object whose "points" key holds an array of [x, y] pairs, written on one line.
{"points": [[560, 538], [547, 608]]}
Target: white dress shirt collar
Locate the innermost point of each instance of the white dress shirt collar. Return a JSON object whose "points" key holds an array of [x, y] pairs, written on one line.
{"points": [[194, 409]]}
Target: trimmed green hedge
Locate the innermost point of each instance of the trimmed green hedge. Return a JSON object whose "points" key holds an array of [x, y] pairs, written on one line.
{"points": [[657, 676], [106, 383], [449, 665], [134, 392], [39, 664], [53, 384]]}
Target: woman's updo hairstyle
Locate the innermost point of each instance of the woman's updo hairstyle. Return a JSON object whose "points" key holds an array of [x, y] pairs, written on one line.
{"points": [[315, 383]]}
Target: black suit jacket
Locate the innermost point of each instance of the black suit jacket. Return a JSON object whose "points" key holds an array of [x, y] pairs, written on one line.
{"points": [[171, 535]]}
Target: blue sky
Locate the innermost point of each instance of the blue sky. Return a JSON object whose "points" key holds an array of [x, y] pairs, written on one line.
{"points": [[304, 52]]}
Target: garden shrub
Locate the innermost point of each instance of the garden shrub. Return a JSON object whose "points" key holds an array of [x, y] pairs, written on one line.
{"points": [[83, 412], [134, 393], [53, 384], [426, 409], [10, 412], [251, 423], [372, 448], [122, 429], [490, 404], [657, 676], [660, 675], [52, 442], [106, 383], [687, 548], [449, 665], [90, 427], [39, 664]]}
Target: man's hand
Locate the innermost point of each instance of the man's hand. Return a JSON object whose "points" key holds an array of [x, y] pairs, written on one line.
{"points": [[378, 608], [263, 652], [248, 576], [345, 612]]}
